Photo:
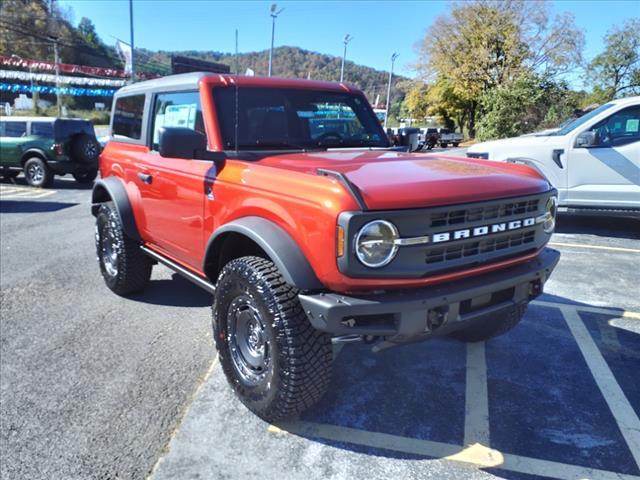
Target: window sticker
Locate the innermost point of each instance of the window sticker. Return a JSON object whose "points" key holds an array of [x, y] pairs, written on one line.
{"points": [[633, 125], [175, 116], [180, 116]]}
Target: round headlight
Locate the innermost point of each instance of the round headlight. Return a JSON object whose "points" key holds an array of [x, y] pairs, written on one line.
{"points": [[375, 243], [551, 208]]}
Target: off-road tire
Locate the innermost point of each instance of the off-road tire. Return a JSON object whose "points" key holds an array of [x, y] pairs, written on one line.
{"points": [[85, 149], [493, 327], [37, 173], [455, 144], [133, 266], [300, 368], [444, 145], [85, 176]]}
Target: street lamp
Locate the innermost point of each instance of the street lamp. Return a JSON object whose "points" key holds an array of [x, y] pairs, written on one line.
{"points": [[347, 39], [274, 14], [386, 115]]}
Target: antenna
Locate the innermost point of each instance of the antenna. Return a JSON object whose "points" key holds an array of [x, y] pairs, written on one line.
{"points": [[236, 59], [237, 116]]}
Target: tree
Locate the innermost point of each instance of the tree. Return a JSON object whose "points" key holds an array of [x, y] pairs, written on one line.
{"points": [[616, 71], [87, 31], [484, 44], [527, 103], [416, 100]]}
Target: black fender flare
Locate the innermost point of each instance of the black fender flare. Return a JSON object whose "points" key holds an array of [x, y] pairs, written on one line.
{"points": [[283, 251], [32, 152], [113, 189]]}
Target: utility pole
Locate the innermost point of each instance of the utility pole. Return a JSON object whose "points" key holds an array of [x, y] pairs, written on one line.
{"points": [[56, 60], [274, 15], [386, 115], [133, 69], [347, 39]]}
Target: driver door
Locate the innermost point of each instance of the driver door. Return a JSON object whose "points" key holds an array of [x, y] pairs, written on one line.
{"points": [[607, 174], [173, 191]]}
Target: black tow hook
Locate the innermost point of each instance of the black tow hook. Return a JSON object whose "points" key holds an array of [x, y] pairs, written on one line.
{"points": [[437, 317]]}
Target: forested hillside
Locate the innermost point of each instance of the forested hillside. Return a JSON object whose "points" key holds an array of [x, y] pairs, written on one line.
{"points": [[28, 26], [290, 62]]}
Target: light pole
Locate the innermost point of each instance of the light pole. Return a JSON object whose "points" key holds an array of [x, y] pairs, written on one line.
{"points": [[274, 14], [133, 68], [386, 115], [347, 39]]}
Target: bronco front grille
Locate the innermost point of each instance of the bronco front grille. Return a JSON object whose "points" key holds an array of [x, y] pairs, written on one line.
{"points": [[471, 249], [478, 214], [449, 242]]}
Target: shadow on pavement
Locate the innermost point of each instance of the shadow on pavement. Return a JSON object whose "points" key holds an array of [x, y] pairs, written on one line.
{"points": [[544, 402], [176, 292], [59, 183], [27, 206], [599, 225]]}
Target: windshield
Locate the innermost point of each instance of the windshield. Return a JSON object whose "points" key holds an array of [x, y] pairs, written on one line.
{"points": [[583, 119], [281, 118]]}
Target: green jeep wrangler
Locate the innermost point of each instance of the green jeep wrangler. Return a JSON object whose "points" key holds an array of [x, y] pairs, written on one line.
{"points": [[42, 147]]}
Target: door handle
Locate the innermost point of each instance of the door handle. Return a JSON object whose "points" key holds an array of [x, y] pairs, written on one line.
{"points": [[145, 177]]}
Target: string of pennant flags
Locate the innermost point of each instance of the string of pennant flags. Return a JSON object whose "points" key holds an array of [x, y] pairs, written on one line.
{"points": [[74, 91], [26, 63], [66, 79]]}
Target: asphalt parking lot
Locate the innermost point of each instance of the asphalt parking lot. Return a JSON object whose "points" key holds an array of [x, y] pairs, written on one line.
{"points": [[96, 386]]}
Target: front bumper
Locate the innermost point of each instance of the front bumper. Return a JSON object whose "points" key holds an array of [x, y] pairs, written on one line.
{"points": [[434, 310]]}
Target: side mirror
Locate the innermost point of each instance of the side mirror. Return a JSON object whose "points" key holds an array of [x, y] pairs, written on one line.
{"points": [[587, 139], [179, 142], [409, 138]]}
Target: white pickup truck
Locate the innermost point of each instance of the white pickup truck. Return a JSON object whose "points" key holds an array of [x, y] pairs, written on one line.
{"points": [[594, 161]]}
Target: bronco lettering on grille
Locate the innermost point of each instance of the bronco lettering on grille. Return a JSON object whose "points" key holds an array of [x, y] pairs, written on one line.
{"points": [[482, 230]]}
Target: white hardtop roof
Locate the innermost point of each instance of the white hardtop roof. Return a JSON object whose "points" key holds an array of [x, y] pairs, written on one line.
{"points": [[181, 80]]}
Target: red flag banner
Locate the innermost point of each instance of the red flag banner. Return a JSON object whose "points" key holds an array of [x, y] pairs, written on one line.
{"points": [[65, 68]]}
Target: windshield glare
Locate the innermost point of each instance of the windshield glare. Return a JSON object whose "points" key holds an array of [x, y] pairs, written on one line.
{"points": [[583, 119], [281, 118]]}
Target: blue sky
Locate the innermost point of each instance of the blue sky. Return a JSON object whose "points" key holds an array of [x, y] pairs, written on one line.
{"points": [[379, 28]]}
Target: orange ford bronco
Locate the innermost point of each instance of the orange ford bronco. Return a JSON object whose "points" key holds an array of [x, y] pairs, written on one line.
{"points": [[284, 199]]}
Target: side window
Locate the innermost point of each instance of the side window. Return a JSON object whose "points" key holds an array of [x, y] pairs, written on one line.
{"points": [[178, 109], [43, 129], [620, 128], [127, 116], [14, 129]]}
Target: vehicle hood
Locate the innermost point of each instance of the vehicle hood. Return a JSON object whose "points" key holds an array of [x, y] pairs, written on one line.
{"points": [[515, 143], [394, 180]]}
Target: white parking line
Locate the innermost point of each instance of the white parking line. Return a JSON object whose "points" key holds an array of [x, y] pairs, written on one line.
{"points": [[609, 336], [27, 194], [514, 463], [595, 247], [476, 410], [587, 308], [626, 418]]}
